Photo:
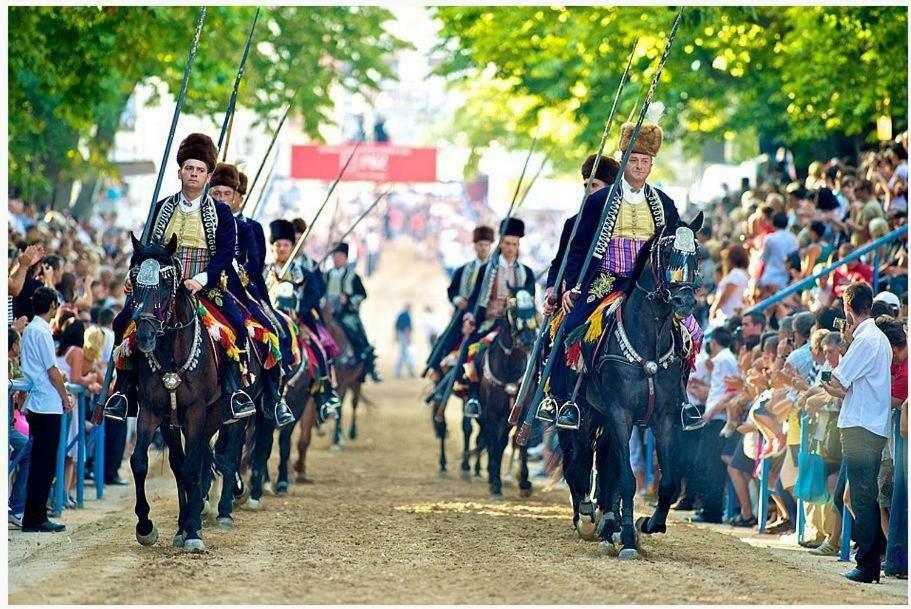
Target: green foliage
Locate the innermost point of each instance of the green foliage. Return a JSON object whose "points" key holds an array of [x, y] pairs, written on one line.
{"points": [[783, 75], [72, 71]]}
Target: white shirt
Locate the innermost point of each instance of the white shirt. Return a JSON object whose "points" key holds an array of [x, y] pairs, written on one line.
{"points": [[723, 364], [700, 373], [37, 357], [740, 279], [190, 206], [865, 371], [629, 196]]}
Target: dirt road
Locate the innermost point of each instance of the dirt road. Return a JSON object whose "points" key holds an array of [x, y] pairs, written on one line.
{"points": [[379, 526]]}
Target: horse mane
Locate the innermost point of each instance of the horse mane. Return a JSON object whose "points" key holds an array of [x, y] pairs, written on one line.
{"points": [[155, 251]]}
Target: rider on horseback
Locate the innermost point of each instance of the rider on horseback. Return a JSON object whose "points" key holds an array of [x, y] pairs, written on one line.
{"points": [[298, 296], [345, 293], [638, 212], [459, 291], [249, 260], [509, 276], [206, 235]]}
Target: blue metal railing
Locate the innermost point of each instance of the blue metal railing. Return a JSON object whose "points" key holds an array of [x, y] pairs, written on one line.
{"points": [[897, 544], [861, 251], [84, 442]]}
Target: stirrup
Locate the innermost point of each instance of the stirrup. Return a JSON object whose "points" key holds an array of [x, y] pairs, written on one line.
{"points": [[241, 405], [569, 416], [116, 406], [283, 415], [690, 417], [547, 410], [472, 409]]}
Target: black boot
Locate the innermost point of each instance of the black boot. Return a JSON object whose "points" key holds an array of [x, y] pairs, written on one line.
{"points": [[569, 416], [472, 408], [117, 405], [547, 410], [327, 403], [690, 414], [370, 365], [274, 406], [239, 403]]}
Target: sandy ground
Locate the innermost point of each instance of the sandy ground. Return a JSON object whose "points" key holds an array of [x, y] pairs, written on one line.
{"points": [[379, 526]]}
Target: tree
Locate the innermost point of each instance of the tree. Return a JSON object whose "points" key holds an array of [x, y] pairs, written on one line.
{"points": [[789, 75], [73, 69]]}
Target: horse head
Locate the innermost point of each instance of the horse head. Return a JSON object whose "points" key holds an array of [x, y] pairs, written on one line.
{"points": [[674, 264], [156, 276], [521, 317]]}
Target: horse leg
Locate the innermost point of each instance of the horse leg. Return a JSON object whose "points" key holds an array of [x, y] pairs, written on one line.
{"points": [[308, 420], [466, 449], [355, 399], [524, 482], [194, 432], [666, 442], [284, 455], [498, 437], [147, 423], [608, 497], [262, 446], [229, 443], [479, 448], [626, 485], [577, 471], [441, 427], [176, 459], [337, 431]]}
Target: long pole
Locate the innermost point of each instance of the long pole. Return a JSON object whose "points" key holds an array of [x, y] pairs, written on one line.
{"points": [[489, 272], [262, 163], [525, 430], [300, 242], [240, 74], [147, 229], [531, 364], [264, 189], [353, 226]]}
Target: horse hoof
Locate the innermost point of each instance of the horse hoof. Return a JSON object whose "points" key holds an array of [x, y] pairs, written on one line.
{"points": [[281, 488], [616, 538], [586, 529], [465, 476], [195, 546], [525, 493], [267, 488], [303, 480], [628, 554], [608, 548], [252, 504], [335, 447], [224, 522], [496, 496], [352, 434], [206, 508], [443, 473], [148, 540], [179, 540]]}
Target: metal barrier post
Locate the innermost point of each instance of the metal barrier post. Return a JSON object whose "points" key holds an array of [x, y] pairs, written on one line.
{"points": [[763, 492], [730, 499], [847, 523], [876, 271], [804, 449], [99, 460], [649, 458], [80, 448], [60, 482], [897, 545]]}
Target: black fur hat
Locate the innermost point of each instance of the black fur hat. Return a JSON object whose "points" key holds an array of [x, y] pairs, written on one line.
{"points": [[200, 147], [482, 233], [341, 248], [241, 183], [607, 169], [225, 175], [512, 227], [281, 229]]}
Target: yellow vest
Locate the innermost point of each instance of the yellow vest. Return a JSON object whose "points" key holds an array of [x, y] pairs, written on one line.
{"points": [[634, 221], [188, 228]]}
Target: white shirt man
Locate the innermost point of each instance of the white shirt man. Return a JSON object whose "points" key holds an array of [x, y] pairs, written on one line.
{"points": [[724, 363], [864, 371]]}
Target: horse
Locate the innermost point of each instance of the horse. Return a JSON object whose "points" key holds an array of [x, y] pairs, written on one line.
{"points": [[177, 380], [298, 393], [503, 364], [349, 374], [636, 380]]}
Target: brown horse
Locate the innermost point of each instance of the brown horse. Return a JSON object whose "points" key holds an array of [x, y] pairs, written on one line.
{"points": [[349, 376]]}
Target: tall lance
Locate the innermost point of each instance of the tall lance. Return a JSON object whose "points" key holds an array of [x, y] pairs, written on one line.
{"points": [[147, 229], [526, 383], [492, 263], [300, 242], [262, 163], [525, 430], [265, 190], [353, 226]]}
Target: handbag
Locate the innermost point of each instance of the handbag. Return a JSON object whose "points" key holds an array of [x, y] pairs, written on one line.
{"points": [[830, 446], [811, 479]]}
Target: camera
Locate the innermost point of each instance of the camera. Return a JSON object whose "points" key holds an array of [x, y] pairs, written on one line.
{"points": [[840, 324]]}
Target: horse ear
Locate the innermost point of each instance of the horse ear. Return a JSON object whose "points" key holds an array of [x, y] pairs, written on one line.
{"points": [[172, 244], [136, 243], [696, 224]]}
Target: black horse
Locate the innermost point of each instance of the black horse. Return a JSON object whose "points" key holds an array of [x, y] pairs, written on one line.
{"points": [[502, 365], [636, 380], [177, 386]]}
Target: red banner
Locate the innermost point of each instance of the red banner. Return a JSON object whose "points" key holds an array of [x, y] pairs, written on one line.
{"points": [[371, 162]]}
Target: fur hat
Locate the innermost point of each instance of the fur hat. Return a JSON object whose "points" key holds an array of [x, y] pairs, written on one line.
{"points": [[512, 227], [225, 175], [341, 248], [198, 146], [482, 233], [281, 229], [300, 225], [242, 183], [607, 168], [647, 142]]}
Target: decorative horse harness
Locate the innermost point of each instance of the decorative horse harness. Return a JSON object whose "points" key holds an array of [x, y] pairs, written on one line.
{"points": [[523, 306], [149, 278]]}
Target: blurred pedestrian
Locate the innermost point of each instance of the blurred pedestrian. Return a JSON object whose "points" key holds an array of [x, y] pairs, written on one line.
{"points": [[403, 330]]}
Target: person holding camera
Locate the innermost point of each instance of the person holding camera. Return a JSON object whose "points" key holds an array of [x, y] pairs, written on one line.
{"points": [[863, 380]]}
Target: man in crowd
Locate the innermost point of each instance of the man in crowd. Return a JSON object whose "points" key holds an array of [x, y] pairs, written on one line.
{"points": [[403, 328], [862, 379], [345, 293], [47, 400]]}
